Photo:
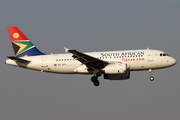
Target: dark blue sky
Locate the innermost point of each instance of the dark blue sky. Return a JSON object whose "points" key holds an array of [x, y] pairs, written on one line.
{"points": [[96, 25]]}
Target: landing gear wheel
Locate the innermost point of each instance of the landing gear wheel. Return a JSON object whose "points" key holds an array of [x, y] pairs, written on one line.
{"points": [[96, 83], [151, 78], [93, 79]]}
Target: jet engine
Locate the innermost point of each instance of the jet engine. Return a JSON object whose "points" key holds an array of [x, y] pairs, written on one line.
{"points": [[122, 76], [115, 68]]}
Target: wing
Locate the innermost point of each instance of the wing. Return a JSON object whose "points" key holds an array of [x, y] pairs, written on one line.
{"points": [[90, 61]]}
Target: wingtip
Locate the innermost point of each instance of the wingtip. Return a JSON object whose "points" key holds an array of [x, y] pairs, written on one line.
{"points": [[66, 49]]}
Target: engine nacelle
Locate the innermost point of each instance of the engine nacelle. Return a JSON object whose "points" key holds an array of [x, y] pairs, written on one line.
{"points": [[82, 69], [123, 76], [115, 68]]}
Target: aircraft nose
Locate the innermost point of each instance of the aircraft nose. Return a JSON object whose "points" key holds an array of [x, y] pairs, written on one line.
{"points": [[173, 61]]}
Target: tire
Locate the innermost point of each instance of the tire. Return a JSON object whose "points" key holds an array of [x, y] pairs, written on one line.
{"points": [[96, 83], [151, 78]]}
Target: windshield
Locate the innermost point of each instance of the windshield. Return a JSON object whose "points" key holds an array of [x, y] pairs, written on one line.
{"points": [[164, 54]]}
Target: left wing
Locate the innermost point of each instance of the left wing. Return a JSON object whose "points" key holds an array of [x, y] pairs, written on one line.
{"points": [[90, 61]]}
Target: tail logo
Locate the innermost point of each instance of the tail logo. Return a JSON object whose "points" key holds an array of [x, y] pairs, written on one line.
{"points": [[16, 35], [21, 46]]}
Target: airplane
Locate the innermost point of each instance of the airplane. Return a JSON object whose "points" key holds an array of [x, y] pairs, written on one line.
{"points": [[113, 65]]}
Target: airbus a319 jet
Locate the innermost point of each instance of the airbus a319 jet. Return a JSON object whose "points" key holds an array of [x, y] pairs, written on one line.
{"points": [[113, 65]]}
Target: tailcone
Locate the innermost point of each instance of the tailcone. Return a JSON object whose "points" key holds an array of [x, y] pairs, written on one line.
{"points": [[10, 62]]}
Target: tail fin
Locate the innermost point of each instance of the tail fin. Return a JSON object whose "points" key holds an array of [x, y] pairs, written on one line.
{"points": [[21, 44]]}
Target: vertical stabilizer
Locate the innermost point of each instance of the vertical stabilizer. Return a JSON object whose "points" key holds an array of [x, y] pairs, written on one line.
{"points": [[21, 44]]}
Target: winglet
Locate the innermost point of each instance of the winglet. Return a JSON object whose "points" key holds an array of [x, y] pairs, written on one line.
{"points": [[66, 49]]}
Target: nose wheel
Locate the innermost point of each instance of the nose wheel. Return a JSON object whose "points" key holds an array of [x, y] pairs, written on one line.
{"points": [[151, 77]]}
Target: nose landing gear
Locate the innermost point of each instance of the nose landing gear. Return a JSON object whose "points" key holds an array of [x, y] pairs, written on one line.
{"points": [[151, 77]]}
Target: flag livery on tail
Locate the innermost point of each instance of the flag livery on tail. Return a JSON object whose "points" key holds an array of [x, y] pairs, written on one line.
{"points": [[21, 44]]}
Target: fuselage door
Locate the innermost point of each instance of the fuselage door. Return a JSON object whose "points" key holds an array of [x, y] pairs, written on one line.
{"points": [[150, 55], [44, 61]]}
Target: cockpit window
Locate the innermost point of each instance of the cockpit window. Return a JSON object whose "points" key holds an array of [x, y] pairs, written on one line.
{"points": [[164, 54]]}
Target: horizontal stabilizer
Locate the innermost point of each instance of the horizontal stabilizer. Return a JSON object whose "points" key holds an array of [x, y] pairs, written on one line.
{"points": [[18, 59]]}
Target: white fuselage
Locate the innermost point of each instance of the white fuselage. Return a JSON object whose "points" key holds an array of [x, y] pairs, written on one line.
{"points": [[143, 59]]}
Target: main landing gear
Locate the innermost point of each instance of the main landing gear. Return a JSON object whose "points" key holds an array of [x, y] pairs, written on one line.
{"points": [[95, 80], [151, 77]]}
